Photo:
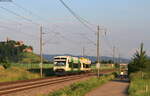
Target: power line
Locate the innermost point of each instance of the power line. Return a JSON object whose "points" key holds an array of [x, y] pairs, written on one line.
{"points": [[27, 10], [81, 20], [8, 28], [16, 14], [74, 14], [92, 42]]}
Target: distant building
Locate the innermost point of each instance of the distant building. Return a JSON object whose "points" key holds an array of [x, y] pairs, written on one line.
{"points": [[30, 50], [18, 44]]}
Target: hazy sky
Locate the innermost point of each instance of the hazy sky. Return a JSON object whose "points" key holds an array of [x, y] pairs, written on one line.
{"points": [[127, 23]]}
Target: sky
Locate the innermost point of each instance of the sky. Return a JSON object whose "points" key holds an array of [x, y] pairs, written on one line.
{"points": [[126, 23]]}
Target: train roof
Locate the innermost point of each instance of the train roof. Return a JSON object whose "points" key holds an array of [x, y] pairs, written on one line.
{"points": [[62, 56]]}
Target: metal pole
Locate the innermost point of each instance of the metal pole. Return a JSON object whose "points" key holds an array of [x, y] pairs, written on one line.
{"points": [[98, 57], [41, 52], [114, 55], [119, 62]]}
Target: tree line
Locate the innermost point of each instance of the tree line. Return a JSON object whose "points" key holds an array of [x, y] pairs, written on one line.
{"points": [[10, 51]]}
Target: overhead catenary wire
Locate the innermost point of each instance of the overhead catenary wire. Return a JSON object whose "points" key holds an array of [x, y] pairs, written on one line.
{"points": [[92, 42], [31, 13], [9, 28], [28, 11], [18, 15], [81, 20], [86, 23]]}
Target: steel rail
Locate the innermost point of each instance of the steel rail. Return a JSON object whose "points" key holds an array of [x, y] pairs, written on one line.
{"points": [[17, 88]]}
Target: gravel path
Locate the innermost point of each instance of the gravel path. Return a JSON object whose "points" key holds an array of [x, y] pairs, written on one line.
{"points": [[112, 88]]}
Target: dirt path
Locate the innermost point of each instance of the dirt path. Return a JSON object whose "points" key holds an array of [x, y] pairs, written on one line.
{"points": [[112, 88]]}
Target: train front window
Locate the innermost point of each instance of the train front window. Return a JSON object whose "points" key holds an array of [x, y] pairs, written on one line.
{"points": [[60, 63]]}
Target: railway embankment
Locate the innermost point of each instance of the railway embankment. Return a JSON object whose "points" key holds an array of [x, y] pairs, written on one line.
{"points": [[81, 88], [41, 86], [36, 87]]}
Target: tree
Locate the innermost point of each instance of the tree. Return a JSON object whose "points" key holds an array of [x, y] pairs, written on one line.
{"points": [[139, 62], [10, 52]]}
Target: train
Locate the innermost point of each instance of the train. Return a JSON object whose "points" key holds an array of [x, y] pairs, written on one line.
{"points": [[68, 65]]}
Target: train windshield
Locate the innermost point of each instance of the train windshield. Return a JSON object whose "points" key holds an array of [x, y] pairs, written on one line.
{"points": [[60, 63]]}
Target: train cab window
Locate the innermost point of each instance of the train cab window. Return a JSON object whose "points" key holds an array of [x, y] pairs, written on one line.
{"points": [[84, 65], [60, 63], [87, 66]]}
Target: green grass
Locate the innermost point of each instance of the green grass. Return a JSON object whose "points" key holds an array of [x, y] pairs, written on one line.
{"points": [[35, 68], [140, 84], [81, 88], [32, 66], [16, 73], [103, 66]]}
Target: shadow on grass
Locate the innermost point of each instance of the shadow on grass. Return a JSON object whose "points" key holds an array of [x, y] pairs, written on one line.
{"points": [[123, 81], [46, 71]]}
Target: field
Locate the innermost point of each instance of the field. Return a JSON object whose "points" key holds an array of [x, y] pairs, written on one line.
{"points": [[24, 72], [103, 66], [16, 73], [32, 66], [140, 84], [35, 68]]}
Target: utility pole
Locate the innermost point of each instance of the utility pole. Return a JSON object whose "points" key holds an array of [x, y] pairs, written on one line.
{"points": [[119, 62], [114, 48], [41, 51], [98, 56]]}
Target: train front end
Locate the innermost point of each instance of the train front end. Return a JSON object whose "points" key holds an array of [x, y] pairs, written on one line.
{"points": [[60, 65]]}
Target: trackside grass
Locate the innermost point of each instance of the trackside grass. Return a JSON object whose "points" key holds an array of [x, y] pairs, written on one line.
{"points": [[81, 88], [140, 84], [32, 66], [16, 73]]}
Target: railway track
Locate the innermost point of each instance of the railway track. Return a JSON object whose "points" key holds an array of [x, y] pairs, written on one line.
{"points": [[6, 88], [12, 87]]}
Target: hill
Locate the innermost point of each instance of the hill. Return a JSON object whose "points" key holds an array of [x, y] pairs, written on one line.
{"points": [[93, 58]]}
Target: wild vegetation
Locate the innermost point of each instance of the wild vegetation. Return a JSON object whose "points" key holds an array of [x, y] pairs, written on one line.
{"points": [[15, 73], [139, 71], [18, 62], [32, 65], [81, 88], [12, 52], [139, 86]]}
